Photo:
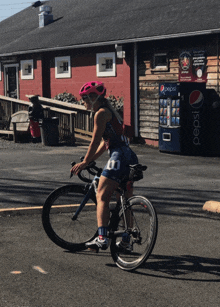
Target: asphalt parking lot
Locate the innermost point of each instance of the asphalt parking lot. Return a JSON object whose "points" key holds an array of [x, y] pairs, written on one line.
{"points": [[183, 269], [29, 172]]}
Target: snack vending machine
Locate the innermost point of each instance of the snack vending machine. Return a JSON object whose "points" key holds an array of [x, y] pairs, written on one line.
{"points": [[183, 118]]}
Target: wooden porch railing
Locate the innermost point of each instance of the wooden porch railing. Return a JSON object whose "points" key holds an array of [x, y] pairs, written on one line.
{"points": [[83, 125], [73, 118]]}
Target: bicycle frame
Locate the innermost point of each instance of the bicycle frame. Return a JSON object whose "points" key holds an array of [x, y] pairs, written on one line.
{"points": [[115, 213], [120, 207], [92, 189]]}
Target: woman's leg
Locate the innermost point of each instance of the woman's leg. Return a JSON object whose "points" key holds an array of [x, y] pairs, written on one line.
{"points": [[106, 188]]}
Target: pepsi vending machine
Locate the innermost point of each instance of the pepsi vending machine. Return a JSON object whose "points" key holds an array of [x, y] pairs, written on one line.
{"points": [[169, 129], [183, 118]]}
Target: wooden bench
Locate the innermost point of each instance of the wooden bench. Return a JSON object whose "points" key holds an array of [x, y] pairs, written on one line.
{"points": [[19, 124], [7, 132]]}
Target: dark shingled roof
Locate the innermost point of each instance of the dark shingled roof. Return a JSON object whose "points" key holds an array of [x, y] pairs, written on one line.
{"points": [[79, 23]]}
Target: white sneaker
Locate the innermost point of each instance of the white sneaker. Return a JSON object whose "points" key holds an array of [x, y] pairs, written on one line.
{"points": [[98, 243]]}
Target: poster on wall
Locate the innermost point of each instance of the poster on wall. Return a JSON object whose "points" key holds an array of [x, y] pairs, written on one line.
{"points": [[193, 66]]}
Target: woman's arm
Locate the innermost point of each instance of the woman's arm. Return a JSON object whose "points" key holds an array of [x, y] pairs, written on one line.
{"points": [[100, 150], [96, 147]]}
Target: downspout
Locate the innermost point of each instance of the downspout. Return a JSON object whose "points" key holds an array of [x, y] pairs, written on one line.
{"points": [[136, 122]]}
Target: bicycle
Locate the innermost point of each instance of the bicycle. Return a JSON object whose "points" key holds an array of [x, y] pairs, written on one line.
{"points": [[69, 218]]}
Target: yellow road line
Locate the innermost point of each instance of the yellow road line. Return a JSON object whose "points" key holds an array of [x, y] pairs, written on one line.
{"points": [[40, 207]]}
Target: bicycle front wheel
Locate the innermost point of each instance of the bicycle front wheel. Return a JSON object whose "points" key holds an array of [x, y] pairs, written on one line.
{"points": [[58, 222], [141, 225]]}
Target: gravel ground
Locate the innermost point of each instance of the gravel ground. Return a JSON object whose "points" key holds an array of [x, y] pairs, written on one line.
{"points": [[6, 143]]}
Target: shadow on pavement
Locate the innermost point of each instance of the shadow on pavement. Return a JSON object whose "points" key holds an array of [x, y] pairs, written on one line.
{"points": [[25, 193], [179, 267], [180, 202]]}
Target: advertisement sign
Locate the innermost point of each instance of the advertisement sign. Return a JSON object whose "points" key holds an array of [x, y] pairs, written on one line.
{"points": [[194, 120], [193, 66], [168, 89]]}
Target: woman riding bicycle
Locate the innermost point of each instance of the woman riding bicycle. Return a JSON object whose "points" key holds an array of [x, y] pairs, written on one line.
{"points": [[107, 135]]}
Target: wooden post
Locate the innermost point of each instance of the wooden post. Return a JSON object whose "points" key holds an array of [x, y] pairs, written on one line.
{"points": [[72, 127], [12, 107], [48, 112], [15, 133], [87, 122]]}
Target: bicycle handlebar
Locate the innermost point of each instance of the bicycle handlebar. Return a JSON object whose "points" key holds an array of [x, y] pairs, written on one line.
{"points": [[91, 168]]}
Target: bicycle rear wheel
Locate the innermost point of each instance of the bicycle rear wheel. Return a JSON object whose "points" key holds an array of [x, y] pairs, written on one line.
{"points": [[142, 227], [57, 214]]}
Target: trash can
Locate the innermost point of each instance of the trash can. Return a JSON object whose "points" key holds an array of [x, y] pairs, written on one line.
{"points": [[49, 131], [34, 129]]}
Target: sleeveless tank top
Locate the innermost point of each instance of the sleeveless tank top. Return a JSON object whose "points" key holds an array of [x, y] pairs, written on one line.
{"points": [[114, 133]]}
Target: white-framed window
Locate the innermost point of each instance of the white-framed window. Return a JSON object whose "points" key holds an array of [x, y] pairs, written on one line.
{"points": [[27, 69], [105, 64], [160, 62], [62, 67], [0, 71]]}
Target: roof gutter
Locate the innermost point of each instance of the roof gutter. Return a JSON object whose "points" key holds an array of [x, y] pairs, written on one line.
{"points": [[125, 41]]}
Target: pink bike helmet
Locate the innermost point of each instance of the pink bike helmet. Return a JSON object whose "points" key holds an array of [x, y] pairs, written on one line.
{"points": [[92, 87]]}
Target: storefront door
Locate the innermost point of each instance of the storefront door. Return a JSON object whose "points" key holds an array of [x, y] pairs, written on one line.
{"points": [[11, 80]]}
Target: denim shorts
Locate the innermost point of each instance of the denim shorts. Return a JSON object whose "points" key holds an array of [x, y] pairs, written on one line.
{"points": [[118, 165]]}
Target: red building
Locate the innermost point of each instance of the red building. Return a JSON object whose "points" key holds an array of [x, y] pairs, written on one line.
{"points": [[56, 46]]}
